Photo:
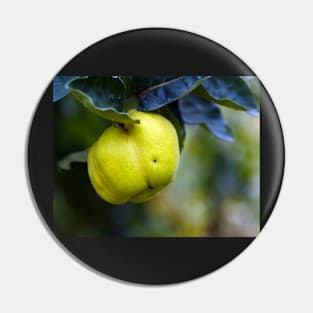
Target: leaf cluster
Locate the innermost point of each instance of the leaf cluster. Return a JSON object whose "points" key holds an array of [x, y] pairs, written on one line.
{"points": [[194, 100]]}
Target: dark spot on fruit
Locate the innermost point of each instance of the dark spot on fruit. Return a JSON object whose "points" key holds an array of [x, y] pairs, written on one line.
{"points": [[154, 160]]}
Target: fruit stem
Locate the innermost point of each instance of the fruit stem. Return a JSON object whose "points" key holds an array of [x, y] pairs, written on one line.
{"points": [[119, 125]]}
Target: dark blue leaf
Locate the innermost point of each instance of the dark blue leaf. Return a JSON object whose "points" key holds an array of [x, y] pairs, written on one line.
{"points": [[103, 96], [230, 91], [197, 110], [163, 94], [141, 83], [59, 90], [254, 113]]}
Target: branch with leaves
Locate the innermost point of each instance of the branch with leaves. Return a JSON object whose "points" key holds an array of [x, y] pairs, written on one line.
{"points": [[193, 100]]}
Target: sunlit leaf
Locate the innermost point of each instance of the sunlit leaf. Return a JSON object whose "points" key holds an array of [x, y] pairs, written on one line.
{"points": [[229, 91], [163, 94], [66, 162], [197, 110], [103, 96], [59, 90]]}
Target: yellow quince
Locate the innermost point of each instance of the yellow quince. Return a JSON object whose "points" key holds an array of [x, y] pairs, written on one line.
{"points": [[134, 162]]}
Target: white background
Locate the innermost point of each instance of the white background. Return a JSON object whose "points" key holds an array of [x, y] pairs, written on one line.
{"points": [[274, 38]]}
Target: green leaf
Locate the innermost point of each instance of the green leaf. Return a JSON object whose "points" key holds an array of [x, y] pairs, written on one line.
{"points": [[103, 96], [59, 90], [80, 156], [165, 93], [229, 91], [172, 113], [197, 110]]}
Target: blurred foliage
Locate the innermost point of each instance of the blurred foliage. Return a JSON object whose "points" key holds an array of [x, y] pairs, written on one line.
{"points": [[215, 193]]}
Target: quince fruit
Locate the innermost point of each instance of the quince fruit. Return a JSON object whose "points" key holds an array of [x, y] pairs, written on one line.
{"points": [[134, 162]]}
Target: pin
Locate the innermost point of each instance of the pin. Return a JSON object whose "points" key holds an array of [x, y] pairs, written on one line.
{"points": [[155, 156]]}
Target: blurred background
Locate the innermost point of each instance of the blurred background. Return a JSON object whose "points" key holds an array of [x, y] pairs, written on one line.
{"points": [[216, 192]]}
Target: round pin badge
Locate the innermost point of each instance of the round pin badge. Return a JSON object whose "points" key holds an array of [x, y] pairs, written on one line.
{"points": [[155, 156]]}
